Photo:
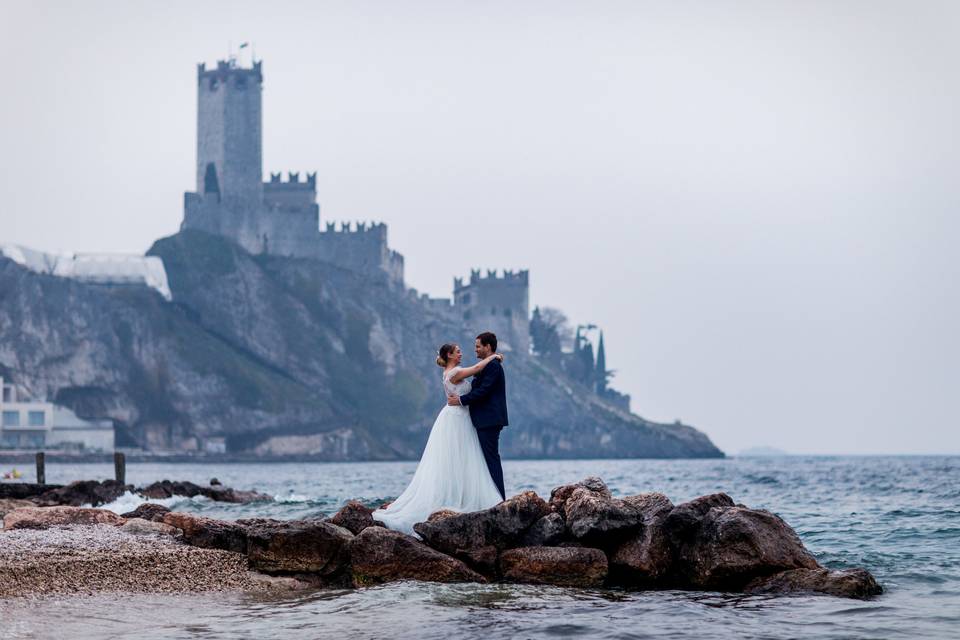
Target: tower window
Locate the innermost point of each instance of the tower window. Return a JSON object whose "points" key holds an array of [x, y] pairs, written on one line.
{"points": [[465, 299], [210, 182], [506, 312]]}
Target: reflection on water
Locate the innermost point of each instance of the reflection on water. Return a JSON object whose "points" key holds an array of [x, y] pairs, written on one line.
{"points": [[896, 516]]}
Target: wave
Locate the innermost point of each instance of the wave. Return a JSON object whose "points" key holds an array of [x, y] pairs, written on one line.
{"points": [[130, 501]]}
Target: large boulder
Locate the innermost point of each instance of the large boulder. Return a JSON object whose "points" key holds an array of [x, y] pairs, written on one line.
{"points": [[560, 495], [500, 526], [599, 520], [685, 519], [84, 492], [561, 566], [43, 517], [355, 516], [24, 490], [845, 583], [735, 545], [208, 533], [297, 546], [148, 511], [381, 555], [548, 531], [646, 559]]}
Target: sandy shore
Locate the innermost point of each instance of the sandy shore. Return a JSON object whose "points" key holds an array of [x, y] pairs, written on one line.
{"points": [[90, 559]]}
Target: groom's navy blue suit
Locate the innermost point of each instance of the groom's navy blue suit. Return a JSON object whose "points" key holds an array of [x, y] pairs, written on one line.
{"points": [[488, 410]]}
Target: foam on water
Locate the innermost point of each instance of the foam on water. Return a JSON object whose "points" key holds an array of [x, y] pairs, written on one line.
{"points": [[130, 501]]}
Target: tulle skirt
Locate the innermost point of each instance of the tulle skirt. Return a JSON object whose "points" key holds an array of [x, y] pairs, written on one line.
{"points": [[452, 474]]}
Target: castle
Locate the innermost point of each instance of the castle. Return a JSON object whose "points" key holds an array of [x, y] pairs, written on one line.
{"points": [[276, 217], [282, 217]]}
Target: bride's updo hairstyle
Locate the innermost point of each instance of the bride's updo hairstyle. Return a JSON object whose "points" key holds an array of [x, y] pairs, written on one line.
{"points": [[444, 353]]}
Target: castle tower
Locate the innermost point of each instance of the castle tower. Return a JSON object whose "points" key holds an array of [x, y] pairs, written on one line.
{"points": [[496, 303], [229, 133]]}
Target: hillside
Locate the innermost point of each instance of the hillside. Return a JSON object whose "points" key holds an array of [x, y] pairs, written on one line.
{"points": [[282, 357]]}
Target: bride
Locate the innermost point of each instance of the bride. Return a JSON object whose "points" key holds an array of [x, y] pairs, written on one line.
{"points": [[452, 473]]}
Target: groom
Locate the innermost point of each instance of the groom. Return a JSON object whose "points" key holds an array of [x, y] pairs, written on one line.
{"points": [[488, 406]]}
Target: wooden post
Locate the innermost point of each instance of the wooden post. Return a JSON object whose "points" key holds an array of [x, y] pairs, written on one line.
{"points": [[120, 467], [41, 469]]}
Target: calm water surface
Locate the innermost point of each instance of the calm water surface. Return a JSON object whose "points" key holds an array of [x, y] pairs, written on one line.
{"points": [[897, 516]]}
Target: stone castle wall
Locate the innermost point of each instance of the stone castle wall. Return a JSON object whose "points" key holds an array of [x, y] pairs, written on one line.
{"points": [[499, 304]]}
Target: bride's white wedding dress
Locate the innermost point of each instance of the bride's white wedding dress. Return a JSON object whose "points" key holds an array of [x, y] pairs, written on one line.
{"points": [[452, 473]]}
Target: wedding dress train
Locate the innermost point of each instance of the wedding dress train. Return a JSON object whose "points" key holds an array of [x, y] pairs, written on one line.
{"points": [[452, 473]]}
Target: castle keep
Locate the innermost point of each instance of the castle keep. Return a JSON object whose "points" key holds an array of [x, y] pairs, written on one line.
{"points": [[276, 217], [281, 217]]}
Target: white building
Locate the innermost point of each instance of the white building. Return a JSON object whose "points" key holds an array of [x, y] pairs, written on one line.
{"points": [[29, 424], [94, 268]]}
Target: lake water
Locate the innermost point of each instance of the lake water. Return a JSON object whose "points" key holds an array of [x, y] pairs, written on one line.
{"points": [[897, 516]]}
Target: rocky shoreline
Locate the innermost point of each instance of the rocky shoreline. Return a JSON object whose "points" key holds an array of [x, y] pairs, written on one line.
{"points": [[581, 537]]}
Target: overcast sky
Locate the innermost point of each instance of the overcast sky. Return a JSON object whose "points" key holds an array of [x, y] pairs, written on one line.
{"points": [[758, 201]]}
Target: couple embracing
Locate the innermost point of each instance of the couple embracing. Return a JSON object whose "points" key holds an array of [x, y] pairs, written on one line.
{"points": [[460, 467]]}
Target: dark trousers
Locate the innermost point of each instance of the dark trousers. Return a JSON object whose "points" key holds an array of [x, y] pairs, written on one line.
{"points": [[490, 443]]}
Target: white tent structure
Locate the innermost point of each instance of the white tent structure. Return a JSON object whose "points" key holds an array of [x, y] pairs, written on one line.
{"points": [[97, 268]]}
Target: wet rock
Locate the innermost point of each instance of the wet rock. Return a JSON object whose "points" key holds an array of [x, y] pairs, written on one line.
{"points": [[735, 545], [208, 532], [560, 495], [24, 490], [548, 531], [483, 560], [214, 482], [9, 504], [561, 566], [685, 519], [646, 559], [355, 516], [148, 511], [500, 526], [846, 583], [168, 488], [381, 555], [84, 492], [141, 527], [43, 517], [297, 546], [597, 519]]}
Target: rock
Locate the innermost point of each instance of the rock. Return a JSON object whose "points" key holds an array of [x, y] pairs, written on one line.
{"points": [[84, 492], [483, 560], [735, 545], [355, 516], [646, 559], [9, 504], [595, 518], [296, 546], [500, 526], [846, 583], [141, 527], [168, 488], [148, 511], [207, 532], [43, 517], [545, 532], [684, 521], [214, 482], [560, 495], [24, 490], [561, 566], [381, 555]]}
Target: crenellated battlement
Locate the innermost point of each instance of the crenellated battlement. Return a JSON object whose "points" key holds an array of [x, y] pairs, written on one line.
{"points": [[292, 182], [357, 227], [225, 70], [521, 277]]}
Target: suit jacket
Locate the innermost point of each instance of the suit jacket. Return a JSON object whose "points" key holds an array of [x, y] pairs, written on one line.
{"points": [[488, 397]]}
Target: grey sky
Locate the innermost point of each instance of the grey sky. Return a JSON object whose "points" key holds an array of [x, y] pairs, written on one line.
{"points": [[757, 201]]}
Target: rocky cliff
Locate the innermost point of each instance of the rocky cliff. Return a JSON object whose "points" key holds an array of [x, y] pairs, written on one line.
{"points": [[282, 357]]}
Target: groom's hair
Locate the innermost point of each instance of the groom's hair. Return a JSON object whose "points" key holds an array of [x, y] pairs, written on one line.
{"points": [[488, 339]]}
